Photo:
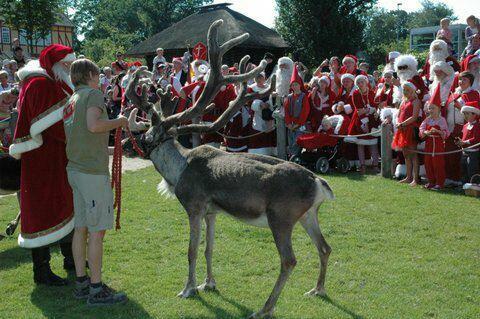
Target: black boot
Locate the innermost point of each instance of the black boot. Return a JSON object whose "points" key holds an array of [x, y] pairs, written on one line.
{"points": [[68, 262], [42, 274]]}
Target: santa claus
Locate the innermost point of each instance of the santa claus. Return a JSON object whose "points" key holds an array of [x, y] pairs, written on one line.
{"points": [[406, 67], [45, 195], [283, 76], [439, 52]]}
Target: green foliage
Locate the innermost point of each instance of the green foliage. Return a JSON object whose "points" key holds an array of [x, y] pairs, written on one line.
{"points": [[320, 29], [430, 14], [35, 17], [120, 24], [398, 252]]}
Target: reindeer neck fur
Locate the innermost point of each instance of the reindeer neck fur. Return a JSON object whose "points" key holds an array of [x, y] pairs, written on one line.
{"points": [[169, 159]]}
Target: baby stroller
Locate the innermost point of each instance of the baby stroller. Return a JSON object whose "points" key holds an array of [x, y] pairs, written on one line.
{"points": [[320, 152]]}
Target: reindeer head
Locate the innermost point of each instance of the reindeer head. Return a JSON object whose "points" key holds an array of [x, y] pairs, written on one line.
{"points": [[166, 124]]}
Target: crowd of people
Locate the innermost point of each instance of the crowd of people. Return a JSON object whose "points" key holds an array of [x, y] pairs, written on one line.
{"points": [[67, 106]]}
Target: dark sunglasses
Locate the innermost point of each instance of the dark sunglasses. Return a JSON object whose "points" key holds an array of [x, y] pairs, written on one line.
{"points": [[403, 67]]}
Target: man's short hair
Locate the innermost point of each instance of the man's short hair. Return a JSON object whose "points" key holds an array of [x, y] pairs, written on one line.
{"points": [[467, 75], [17, 49], [82, 71]]}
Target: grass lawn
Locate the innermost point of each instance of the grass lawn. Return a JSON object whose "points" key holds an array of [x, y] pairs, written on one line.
{"points": [[397, 252]]}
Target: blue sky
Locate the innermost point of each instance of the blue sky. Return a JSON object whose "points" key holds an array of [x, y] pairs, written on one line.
{"points": [[263, 11]]}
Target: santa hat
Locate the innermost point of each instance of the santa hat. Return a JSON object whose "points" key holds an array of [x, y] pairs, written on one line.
{"points": [[439, 44], [410, 84], [436, 98], [406, 60], [325, 79], [350, 57], [359, 78], [444, 67], [177, 59], [53, 54], [347, 76], [393, 55], [472, 107], [296, 78], [469, 59]]}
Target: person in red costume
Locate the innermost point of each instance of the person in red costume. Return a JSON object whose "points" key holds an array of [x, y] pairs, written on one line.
{"points": [[350, 65], [297, 108], [470, 137], [321, 101], [434, 130], [46, 202], [364, 120]]}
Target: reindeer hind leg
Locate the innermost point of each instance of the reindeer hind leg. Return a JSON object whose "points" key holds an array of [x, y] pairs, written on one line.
{"points": [[309, 222], [209, 283], [282, 234]]}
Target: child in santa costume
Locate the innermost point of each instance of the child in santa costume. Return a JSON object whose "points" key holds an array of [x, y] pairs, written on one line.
{"points": [[434, 130], [263, 140], [46, 203], [297, 108], [343, 102], [235, 131], [350, 66], [321, 101], [405, 138], [470, 137], [364, 120]]}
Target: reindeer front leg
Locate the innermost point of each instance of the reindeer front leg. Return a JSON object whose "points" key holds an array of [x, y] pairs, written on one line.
{"points": [[195, 219], [209, 283]]}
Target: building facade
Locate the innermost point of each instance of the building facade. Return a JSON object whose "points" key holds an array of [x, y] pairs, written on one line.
{"points": [[420, 38], [61, 33]]}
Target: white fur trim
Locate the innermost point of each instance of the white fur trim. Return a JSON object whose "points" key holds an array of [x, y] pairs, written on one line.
{"points": [[325, 79], [31, 68], [47, 239], [406, 59], [347, 58], [410, 85], [470, 109], [443, 66], [47, 121], [360, 78], [348, 108], [69, 58], [347, 76], [400, 170], [16, 150]]}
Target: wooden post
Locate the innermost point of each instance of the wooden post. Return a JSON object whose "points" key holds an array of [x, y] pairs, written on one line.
{"points": [[281, 131], [386, 151]]}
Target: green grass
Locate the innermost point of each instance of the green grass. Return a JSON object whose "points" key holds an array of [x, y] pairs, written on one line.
{"points": [[397, 253]]}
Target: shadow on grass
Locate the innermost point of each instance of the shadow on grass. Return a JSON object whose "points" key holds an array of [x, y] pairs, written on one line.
{"points": [[341, 307], [220, 312], [58, 302], [14, 257]]}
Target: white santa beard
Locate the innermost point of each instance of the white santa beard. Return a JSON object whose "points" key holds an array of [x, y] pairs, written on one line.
{"points": [[283, 81], [405, 75], [445, 86], [62, 75], [436, 56]]}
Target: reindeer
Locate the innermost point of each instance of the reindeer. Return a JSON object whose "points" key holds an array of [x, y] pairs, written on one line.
{"points": [[258, 190]]}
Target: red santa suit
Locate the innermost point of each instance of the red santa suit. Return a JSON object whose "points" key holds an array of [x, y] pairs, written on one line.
{"points": [[364, 123], [45, 196], [321, 105], [261, 143], [435, 143], [235, 130]]}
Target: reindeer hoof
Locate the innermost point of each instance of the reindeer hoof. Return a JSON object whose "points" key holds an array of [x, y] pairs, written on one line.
{"points": [[187, 293], [261, 315], [208, 285], [316, 292]]}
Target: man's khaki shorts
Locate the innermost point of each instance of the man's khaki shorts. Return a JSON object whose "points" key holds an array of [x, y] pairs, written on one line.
{"points": [[92, 200]]}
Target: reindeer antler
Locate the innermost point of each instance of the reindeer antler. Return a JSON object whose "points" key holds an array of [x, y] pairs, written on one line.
{"points": [[215, 79], [242, 98]]}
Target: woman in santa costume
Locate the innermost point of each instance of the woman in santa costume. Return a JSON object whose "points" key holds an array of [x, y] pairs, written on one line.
{"points": [[405, 138], [364, 120], [45, 195], [263, 140], [434, 131], [350, 65], [321, 101], [443, 79]]}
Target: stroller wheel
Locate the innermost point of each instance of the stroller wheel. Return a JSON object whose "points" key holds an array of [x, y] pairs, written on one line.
{"points": [[343, 166], [322, 165]]}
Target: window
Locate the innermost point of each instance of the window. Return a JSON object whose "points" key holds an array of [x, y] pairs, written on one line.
{"points": [[22, 35], [6, 35]]}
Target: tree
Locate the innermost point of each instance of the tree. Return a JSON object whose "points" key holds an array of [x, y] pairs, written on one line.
{"points": [[320, 29], [35, 17], [430, 14]]}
